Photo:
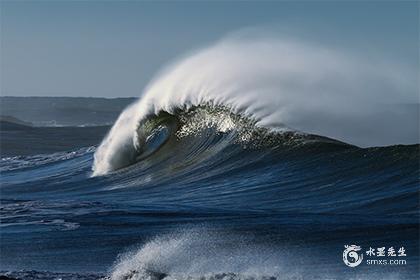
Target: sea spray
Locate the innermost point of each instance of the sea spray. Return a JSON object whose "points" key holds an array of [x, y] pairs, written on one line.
{"points": [[276, 83]]}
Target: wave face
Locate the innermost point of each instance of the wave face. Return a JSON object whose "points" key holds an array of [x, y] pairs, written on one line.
{"points": [[278, 84], [208, 127], [211, 196]]}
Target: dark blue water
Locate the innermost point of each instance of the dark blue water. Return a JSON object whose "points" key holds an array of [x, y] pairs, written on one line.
{"points": [[209, 206]]}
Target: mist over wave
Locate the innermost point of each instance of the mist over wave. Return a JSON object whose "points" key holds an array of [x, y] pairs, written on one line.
{"points": [[280, 84]]}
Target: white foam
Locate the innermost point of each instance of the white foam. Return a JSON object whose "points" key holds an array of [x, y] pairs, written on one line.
{"points": [[196, 253], [204, 254]]}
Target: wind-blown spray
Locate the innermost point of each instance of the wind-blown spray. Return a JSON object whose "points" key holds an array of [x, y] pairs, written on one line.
{"points": [[277, 83]]}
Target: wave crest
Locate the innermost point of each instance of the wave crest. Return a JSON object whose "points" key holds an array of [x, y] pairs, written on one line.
{"points": [[273, 83]]}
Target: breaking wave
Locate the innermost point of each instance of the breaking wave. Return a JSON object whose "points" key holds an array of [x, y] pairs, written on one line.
{"points": [[198, 254], [201, 254], [273, 84], [239, 162]]}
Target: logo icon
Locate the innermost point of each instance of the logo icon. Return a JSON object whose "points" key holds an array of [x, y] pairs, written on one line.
{"points": [[351, 257]]}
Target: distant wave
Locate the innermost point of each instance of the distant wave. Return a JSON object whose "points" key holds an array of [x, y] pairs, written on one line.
{"points": [[33, 161]]}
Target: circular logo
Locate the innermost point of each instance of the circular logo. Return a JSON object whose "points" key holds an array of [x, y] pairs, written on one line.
{"points": [[351, 257]]}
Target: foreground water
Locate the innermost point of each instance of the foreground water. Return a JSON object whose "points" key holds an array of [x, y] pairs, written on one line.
{"points": [[206, 201]]}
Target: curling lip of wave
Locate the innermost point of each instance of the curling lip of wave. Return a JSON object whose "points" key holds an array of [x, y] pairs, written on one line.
{"points": [[269, 81]]}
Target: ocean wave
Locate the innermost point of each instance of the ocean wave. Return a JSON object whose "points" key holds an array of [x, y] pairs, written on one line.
{"points": [[208, 255], [204, 127], [234, 146], [275, 84], [199, 254]]}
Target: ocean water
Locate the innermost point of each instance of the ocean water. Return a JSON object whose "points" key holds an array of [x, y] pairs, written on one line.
{"points": [[230, 172], [209, 202]]}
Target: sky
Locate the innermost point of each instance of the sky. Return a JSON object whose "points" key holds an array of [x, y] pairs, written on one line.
{"points": [[114, 48]]}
